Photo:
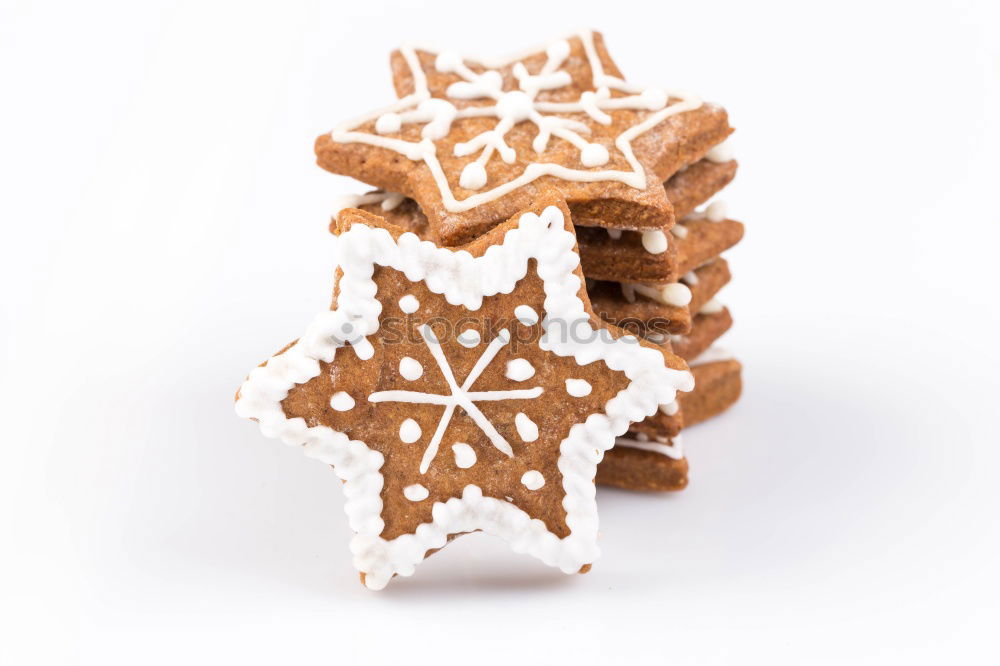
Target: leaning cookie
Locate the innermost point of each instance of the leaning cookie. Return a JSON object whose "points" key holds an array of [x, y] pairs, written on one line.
{"points": [[473, 142], [433, 393]]}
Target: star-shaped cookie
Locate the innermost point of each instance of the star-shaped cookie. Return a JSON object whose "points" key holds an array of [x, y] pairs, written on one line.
{"points": [[474, 142], [462, 390]]}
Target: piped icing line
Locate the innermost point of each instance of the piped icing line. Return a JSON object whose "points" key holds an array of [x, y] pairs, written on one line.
{"points": [[388, 200], [713, 212], [512, 107], [671, 448], [463, 280]]}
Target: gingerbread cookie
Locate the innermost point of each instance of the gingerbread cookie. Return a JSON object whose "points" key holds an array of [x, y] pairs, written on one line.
{"points": [[706, 328], [650, 256], [720, 383], [640, 462], [462, 390], [473, 142]]}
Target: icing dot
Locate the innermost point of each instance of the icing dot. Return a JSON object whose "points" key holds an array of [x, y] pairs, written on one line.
{"points": [[410, 368], [469, 338], [716, 211], [679, 230], [615, 234], [341, 401], [653, 98], [526, 315], [515, 105], [578, 387], [594, 154], [447, 61], [526, 428], [654, 241], [558, 50], [388, 123], [720, 153], [465, 457], [409, 304], [676, 294], [415, 493], [519, 370], [409, 431], [714, 306], [533, 480], [473, 176], [670, 408]]}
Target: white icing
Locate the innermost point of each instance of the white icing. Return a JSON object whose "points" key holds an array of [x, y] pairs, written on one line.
{"points": [[716, 211], [722, 152], [512, 107], [526, 428], [713, 212], [675, 293], [388, 201], [533, 479], [671, 408], [665, 447], [594, 154], [342, 401], [578, 388], [388, 123], [713, 306], [469, 338], [615, 234], [465, 455], [654, 241], [415, 493], [465, 281], [679, 230], [690, 278], [473, 176], [409, 431], [409, 304], [410, 368], [519, 370], [460, 395], [526, 315]]}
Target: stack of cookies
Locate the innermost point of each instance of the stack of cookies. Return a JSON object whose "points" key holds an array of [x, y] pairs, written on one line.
{"points": [[516, 306], [470, 143]]}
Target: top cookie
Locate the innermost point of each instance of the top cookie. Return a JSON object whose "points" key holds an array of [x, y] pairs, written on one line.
{"points": [[474, 142]]}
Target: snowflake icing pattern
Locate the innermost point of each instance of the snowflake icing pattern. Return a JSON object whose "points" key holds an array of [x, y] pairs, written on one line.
{"points": [[511, 107]]}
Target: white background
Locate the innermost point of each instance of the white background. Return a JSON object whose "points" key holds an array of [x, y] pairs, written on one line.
{"points": [[164, 231]]}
